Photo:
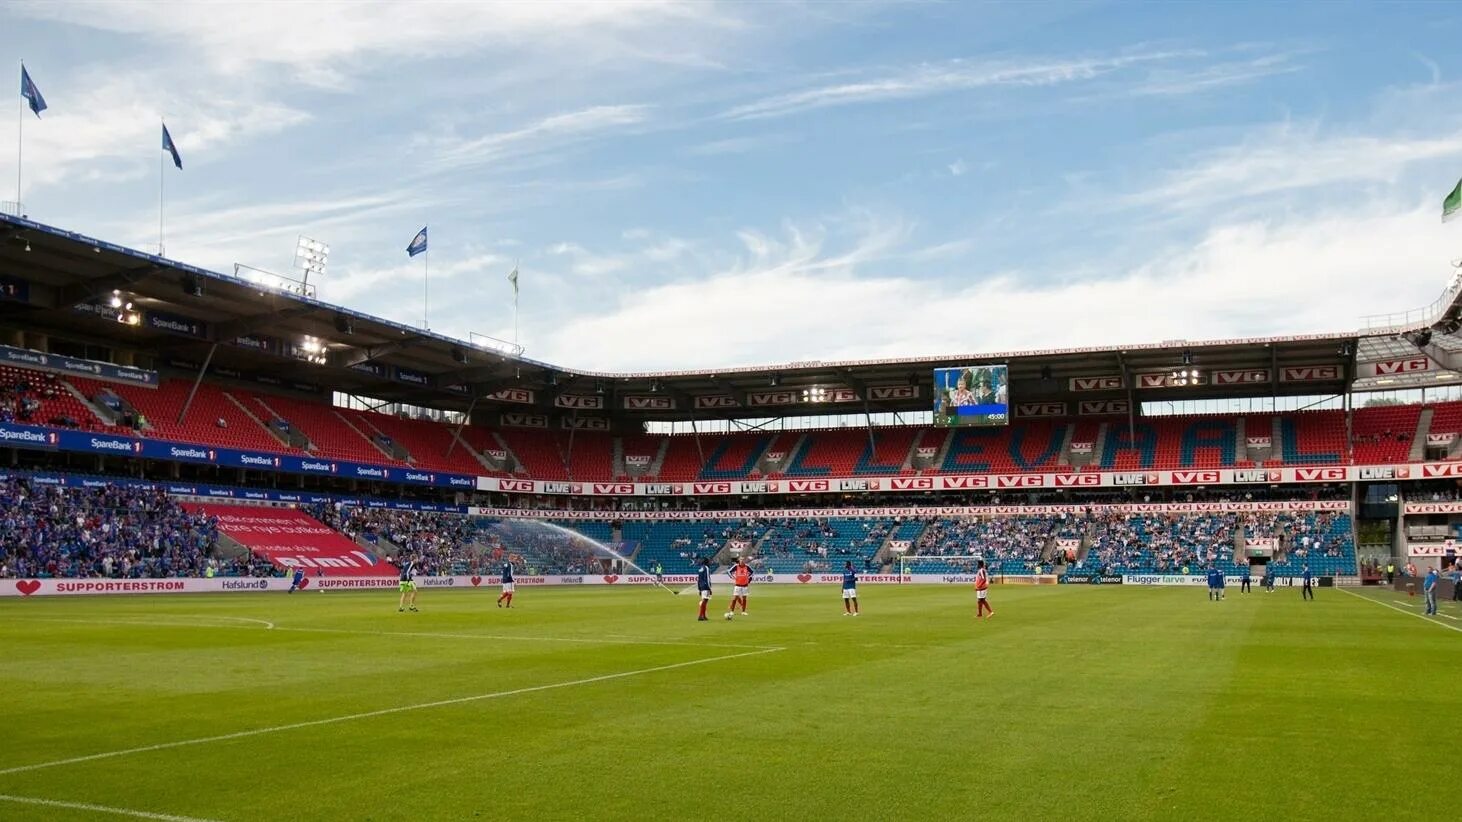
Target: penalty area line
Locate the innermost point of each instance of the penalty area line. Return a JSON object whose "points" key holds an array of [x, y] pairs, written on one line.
{"points": [[421, 706], [86, 806], [1398, 609]]}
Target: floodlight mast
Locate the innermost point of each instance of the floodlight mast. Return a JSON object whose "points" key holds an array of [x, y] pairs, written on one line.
{"points": [[310, 256]]}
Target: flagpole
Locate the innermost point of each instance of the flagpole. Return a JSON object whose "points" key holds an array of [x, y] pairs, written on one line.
{"points": [[426, 287], [19, 146], [515, 302], [161, 178]]}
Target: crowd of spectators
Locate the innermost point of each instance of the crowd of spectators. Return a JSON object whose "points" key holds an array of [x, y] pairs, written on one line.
{"points": [[48, 531], [1015, 543], [439, 543]]}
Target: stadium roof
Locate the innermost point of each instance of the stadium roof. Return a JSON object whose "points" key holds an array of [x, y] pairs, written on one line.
{"points": [[61, 283]]}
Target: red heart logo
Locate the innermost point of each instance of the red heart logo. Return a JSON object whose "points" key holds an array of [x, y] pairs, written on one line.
{"points": [[476, 581], [611, 578], [304, 583], [26, 587], [804, 577]]}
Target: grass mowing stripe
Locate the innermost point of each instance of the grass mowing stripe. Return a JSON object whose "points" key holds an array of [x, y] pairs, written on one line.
{"points": [[1399, 610], [382, 712], [609, 639], [84, 806]]}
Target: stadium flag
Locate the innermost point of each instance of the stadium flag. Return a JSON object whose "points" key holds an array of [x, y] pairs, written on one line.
{"points": [[1452, 206], [418, 243], [170, 147], [30, 92], [513, 278]]}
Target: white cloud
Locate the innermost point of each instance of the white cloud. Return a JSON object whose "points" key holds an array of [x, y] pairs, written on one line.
{"points": [[1300, 275], [547, 134], [1171, 82], [1291, 158], [739, 145], [959, 168], [323, 40], [943, 78]]}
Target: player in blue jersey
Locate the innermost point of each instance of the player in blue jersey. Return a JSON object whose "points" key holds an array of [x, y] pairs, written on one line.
{"points": [[1429, 590], [298, 580], [1244, 581], [507, 581], [408, 585], [1308, 592], [1213, 577], [850, 590], [703, 586]]}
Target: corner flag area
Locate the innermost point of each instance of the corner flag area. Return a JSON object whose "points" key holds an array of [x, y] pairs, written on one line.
{"points": [[1079, 702]]}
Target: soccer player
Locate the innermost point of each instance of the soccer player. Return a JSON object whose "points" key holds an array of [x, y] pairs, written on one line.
{"points": [[1244, 581], [299, 578], [703, 585], [1429, 588], [1308, 592], [740, 581], [982, 592], [507, 581], [1269, 579], [850, 590], [1213, 594], [408, 586]]}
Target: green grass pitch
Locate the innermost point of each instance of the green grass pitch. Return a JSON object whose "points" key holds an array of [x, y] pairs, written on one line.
{"points": [[1072, 703]]}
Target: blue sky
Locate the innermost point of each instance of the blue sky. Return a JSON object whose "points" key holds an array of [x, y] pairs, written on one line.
{"points": [[703, 184]]}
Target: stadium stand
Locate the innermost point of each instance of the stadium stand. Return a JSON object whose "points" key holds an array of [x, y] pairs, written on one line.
{"points": [[39, 398], [1166, 442], [1313, 438], [439, 543], [429, 443], [1027, 447], [329, 432], [1383, 434], [104, 532], [211, 405], [233, 417], [1447, 418], [1009, 545]]}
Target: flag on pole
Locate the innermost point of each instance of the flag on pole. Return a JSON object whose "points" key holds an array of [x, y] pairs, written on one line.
{"points": [[1452, 206], [31, 94], [170, 147], [418, 243], [513, 278]]}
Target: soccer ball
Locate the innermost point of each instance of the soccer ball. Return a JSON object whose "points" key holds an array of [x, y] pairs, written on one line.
{"points": [[728, 614]]}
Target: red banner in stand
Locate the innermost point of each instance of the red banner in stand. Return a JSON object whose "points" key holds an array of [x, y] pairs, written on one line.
{"points": [[293, 539]]}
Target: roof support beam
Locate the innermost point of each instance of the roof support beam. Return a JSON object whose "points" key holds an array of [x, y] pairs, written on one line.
{"points": [[78, 293]]}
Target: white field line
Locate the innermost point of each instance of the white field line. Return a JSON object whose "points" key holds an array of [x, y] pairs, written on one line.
{"points": [[84, 806], [1400, 610], [421, 706]]}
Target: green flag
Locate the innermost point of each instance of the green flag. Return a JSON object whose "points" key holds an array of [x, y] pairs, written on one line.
{"points": [[1453, 204], [513, 275]]}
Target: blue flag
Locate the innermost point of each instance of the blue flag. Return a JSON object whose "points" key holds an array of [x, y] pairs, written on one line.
{"points": [[418, 243], [31, 94], [170, 147]]}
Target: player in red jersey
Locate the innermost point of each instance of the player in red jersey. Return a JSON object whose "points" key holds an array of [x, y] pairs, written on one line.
{"points": [[740, 580], [982, 590]]}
